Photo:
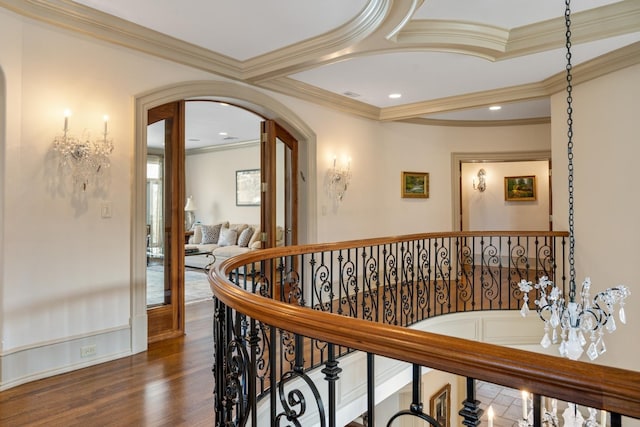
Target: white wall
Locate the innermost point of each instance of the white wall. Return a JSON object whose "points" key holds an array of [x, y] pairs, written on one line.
{"points": [[607, 148], [210, 178], [65, 276], [379, 152], [488, 210]]}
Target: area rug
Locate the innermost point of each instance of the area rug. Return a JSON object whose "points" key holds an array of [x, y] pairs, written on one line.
{"points": [[196, 286]]}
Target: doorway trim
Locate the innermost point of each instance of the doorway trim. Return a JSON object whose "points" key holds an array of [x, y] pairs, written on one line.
{"points": [[241, 96], [507, 156]]}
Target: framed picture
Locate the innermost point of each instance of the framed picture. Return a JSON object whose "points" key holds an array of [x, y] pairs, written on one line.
{"points": [[519, 188], [440, 405], [415, 185], [248, 187]]}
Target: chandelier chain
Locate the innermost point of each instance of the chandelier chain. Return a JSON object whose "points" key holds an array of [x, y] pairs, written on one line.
{"points": [[572, 239], [581, 319]]}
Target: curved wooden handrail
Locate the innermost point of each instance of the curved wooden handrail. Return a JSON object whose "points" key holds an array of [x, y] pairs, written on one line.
{"points": [[613, 389], [255, 256]]}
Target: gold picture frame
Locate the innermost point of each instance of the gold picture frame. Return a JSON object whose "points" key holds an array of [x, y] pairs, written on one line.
{"points": [[520, 188], [440, 406], [415, 185]]}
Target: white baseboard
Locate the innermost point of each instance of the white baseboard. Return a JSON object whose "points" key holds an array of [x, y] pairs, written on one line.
{"points": [[45, 360]]}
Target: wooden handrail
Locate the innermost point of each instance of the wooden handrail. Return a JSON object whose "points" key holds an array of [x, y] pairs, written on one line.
{"points": [[613, 389], [263, 254]]}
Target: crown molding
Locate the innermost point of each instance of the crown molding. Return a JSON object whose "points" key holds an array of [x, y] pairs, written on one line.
{"points": [[613, 61], [485, 41], [414, 6], [597, 67], [495, 43], [461, 102], [315, 95], [85, 20], [594, 24], [476, 123], [303, 55], [364, 34], [222, 147]]}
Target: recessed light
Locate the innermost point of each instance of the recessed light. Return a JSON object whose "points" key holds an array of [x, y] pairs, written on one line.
{"points": [[495, 108], [395, 95], [224, 104], [351, 94], [222, 133]]}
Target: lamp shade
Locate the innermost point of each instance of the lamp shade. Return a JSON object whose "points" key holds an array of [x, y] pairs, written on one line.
{"points": [[190, 206]]}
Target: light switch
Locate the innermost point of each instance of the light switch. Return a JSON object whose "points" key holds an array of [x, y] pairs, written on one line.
{"points": [[105, 210]]}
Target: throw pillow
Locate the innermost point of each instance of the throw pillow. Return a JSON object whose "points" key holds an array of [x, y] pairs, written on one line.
{"points": [[210, 233], [245, 237], [228, 237]]}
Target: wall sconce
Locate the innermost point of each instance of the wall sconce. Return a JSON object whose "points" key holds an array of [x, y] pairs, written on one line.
{"points": [[481, 183], [190, 216], [85, 159], [338, 180]]}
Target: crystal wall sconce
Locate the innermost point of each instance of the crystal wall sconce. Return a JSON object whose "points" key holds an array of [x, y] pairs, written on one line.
{"points": [[480, 183], [338, 181], [84, 159]]}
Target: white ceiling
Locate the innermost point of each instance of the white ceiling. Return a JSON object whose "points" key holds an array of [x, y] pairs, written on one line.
{"points": [[360, 51]]}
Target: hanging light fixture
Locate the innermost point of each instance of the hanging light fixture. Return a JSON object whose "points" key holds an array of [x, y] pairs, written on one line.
{"points": [[84, 159], [338, 179], [580, 315]]}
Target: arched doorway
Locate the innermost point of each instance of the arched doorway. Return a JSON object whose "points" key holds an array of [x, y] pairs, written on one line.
{"points": [[241, 96]]}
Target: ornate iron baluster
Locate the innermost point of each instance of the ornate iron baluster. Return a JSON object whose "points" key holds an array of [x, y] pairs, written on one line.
{"points": [[415, 409], [423, 284], [390, 287], [466, 273], [331, 372], [471, 411], [219, 326], [371, 391]]}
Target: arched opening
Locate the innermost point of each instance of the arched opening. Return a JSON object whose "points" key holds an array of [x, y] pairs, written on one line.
{"points": [[240, 96]]}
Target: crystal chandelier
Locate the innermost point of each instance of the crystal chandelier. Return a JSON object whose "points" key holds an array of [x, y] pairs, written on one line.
{"points": [[572, 321], [84, 159]]}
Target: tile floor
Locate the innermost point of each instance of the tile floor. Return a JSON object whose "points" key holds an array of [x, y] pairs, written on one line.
{"points": [[506, 403]]}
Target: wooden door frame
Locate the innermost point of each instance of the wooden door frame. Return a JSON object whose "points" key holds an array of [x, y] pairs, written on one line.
{"points": [[167, 320], [241, 96], [509, 156], [270, 132]]}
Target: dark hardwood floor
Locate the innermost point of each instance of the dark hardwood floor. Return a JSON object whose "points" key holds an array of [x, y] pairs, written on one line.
{"points": [[169, 385]]}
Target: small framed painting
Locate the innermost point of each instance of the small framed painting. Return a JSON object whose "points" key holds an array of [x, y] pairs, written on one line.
{"points": [[440, 405], [415, 185], [248, 187], [520, 188]]}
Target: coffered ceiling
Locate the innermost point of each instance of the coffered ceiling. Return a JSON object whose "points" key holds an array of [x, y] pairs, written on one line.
{"points": [[448, 59]]}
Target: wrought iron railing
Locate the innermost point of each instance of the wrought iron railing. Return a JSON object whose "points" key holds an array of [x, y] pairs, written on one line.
{"points": [[284, 316]]}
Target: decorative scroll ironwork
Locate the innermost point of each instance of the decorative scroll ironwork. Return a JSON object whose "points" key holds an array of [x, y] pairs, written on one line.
{"points": [[421, 415], [398, 283], [294, 404], [371, 285], [389, 297]]}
